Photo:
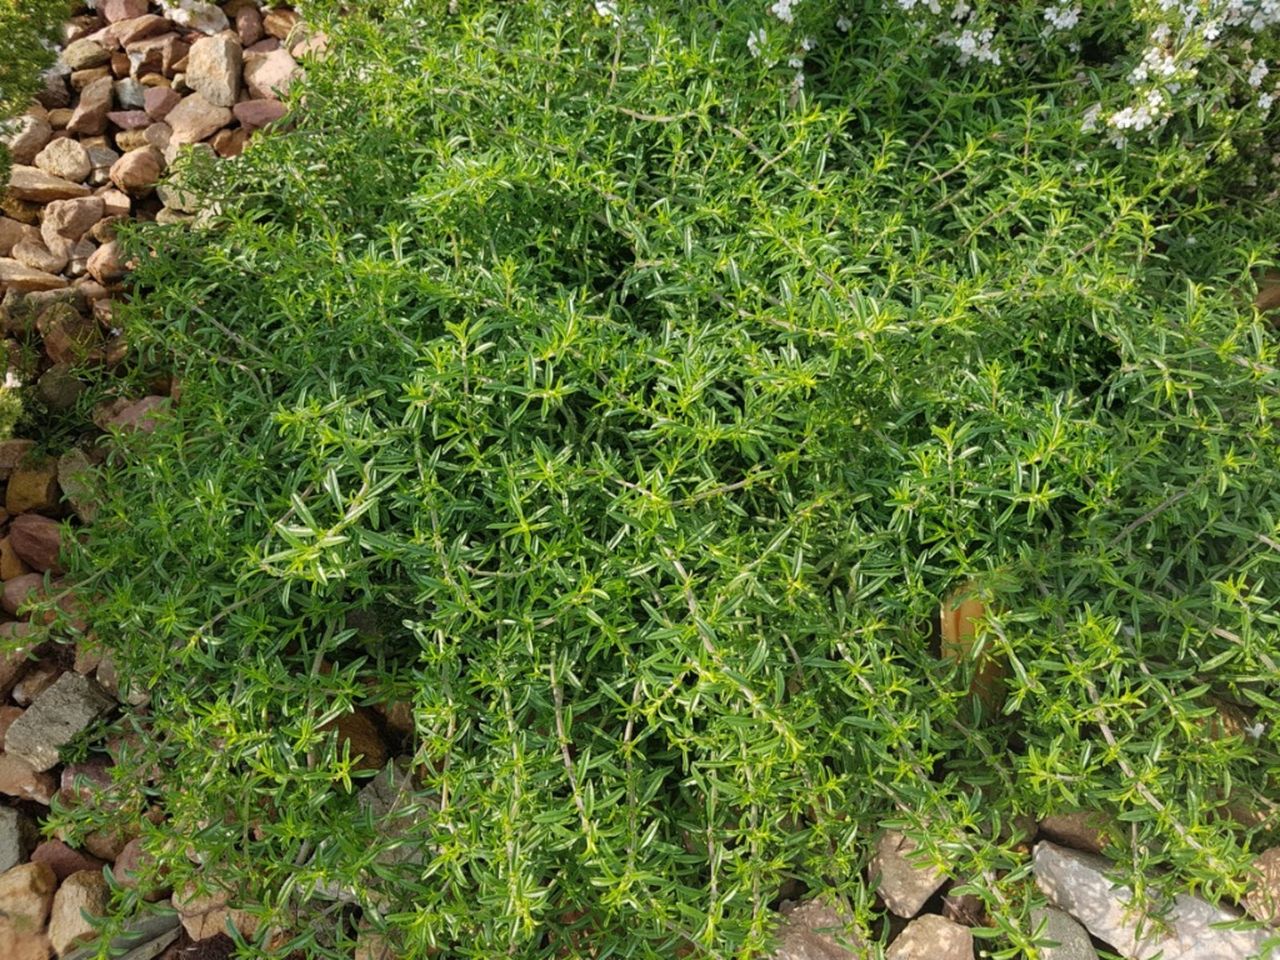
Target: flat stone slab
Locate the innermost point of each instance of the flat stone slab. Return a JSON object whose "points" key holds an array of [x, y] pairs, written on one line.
{"points": [[815, 930], [144, 939], [1070, 941], [32, 183], [57, 715], [18, 276], [1079, 884], [1263, 900], [388, 798], [932, 937], [902, 884]]}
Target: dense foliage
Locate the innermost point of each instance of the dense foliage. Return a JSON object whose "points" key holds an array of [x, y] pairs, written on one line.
{"points": [[627, 408], [28, 30]]}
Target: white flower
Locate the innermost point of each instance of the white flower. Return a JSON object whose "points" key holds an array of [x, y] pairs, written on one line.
{"points": [[796, 63], [1258, 73], [1155, 63], [808, 43], [1264, 102], [1090, 120], [1062, 17], [975, 45], [798, 83], [782, 10], [607, 9], [755, 40], [844, 24]]}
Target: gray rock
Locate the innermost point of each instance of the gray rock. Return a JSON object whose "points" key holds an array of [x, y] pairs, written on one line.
{"points": [[53, 92], [1079, 829], [269, 75], [1263, 900], [1078, 883], [213, 69], [815, 930], [90, 116], [130, 94], [56, 716], [65, 158], [932, 937], [1071, 940], [18, 836], [175, 198], [85, 53], [144, 939], [59, 389], [76, 478], [902, 885], [389, 799], [25, 136], [168, 216], [196, 118], [82, 895], [101, 156], [32, 183], [195, 15], [18, 276]]}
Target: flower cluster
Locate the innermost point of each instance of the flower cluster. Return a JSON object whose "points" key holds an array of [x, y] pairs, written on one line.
{"points": [[784, 10], [1064, 16], [1191, 55], [1191, 47]]}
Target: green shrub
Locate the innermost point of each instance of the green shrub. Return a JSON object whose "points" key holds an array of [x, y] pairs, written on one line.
{"points": [[628, 411], [28, 30]]}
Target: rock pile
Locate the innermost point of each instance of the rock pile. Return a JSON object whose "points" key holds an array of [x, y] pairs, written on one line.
{"points": [[1086, 910], [136, 84]]}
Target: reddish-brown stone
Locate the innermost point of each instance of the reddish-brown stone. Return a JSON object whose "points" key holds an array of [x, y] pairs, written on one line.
{"points": [[69, 336], [37, 541], [139, 416], [116, 10], [11, 565], [8, 714], [90, 116], [20, 590], [253, 114], [12, 453], [33, 487], [130, 119], [64, 860], [249, 25], [137, 171], [128, 32], [160, 100], [359, 731], [19, 779]]}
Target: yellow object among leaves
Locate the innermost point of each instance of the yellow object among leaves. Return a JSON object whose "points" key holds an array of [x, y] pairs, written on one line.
{"points": [[959, 617]]}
